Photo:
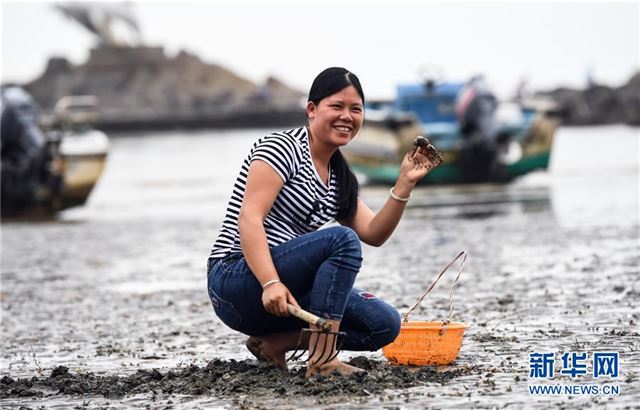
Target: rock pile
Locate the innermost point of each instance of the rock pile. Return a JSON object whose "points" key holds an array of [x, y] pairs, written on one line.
{"points": [[599, 104], [140, 87]]}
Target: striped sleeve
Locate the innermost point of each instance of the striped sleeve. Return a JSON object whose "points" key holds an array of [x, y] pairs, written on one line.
{"points": [[281, 152]]}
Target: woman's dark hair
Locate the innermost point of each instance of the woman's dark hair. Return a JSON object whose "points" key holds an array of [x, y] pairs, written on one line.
{"points": [[327, 83]]}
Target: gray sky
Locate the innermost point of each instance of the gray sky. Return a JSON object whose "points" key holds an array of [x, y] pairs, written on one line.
{"points": [[385, 43]]}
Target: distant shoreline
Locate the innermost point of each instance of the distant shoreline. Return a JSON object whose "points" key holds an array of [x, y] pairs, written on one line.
{"points": [[254, 119]]}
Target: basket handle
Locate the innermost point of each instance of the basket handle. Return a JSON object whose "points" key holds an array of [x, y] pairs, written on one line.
{"points": [[462, 254]]}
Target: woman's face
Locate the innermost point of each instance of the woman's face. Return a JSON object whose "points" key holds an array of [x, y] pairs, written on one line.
{"points": [[337, 118]]}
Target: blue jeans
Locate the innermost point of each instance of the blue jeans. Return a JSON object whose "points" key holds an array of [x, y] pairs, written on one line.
{"points": [[319, 269]]}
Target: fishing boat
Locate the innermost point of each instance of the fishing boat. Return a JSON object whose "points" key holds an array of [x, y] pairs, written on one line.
{"points": [[481, 138], [49, 162]]}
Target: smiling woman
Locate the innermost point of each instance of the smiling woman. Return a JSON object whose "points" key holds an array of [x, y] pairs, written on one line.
{"points": [[270, 252], [336, 113]]}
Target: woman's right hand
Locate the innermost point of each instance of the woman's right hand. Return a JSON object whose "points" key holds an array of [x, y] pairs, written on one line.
{"points": [[275, 298]]}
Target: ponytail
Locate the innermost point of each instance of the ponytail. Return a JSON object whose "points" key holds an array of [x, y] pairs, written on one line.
{"points": [[348, 187]]}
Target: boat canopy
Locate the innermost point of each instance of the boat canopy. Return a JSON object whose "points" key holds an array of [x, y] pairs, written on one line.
{"points": [[431, 102]]}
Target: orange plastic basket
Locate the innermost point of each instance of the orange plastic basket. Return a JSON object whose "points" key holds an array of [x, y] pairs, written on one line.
{"points": [[428, 343], [424, 343]]}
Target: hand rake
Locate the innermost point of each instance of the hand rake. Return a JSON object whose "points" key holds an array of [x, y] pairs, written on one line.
{"points": [[324, 329]]}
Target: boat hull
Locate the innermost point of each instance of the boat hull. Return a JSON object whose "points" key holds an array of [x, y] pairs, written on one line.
{"points": [[449, 173], [378, 152], [81, 175]]}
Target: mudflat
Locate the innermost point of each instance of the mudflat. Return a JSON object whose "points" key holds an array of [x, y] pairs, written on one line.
{"points": [[107, 307]]}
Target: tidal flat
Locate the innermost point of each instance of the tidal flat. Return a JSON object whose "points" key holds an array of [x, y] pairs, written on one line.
{"points": [[106, 306]]}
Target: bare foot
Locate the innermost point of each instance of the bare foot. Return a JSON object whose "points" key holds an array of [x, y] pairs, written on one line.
{"points": [[328, 368], [264, 352]]}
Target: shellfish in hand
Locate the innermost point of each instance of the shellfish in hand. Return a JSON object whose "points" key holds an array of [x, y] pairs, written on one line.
{"points": [[424, 147]]}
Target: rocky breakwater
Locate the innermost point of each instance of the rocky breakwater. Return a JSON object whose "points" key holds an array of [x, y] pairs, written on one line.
{"points": [[599, 104], [141, 88]]}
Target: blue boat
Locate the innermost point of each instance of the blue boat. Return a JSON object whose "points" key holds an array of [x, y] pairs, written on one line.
{"points": [[482, 139]]}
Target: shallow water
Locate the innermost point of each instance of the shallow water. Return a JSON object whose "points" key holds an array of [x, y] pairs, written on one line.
{"points": [[119, 285]]}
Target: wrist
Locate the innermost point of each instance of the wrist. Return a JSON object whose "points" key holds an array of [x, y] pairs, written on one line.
{"points": [[403, 188], [270, 283], [398, 197]]}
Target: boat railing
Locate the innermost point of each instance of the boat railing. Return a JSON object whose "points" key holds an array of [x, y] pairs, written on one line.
{"points": [[76, 109]]}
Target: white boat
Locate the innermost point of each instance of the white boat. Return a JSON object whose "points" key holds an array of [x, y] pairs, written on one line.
{"points": [[49, 163]]}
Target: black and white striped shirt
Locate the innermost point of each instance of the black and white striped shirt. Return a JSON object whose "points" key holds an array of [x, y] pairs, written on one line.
{"points": [[303, 205]]}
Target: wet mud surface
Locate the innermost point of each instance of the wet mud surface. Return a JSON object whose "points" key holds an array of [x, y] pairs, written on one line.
{"points": [[229, 379], [106, 307]]}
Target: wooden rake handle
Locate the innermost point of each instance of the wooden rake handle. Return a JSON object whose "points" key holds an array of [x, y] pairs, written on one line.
{"points": [[308, 317]]}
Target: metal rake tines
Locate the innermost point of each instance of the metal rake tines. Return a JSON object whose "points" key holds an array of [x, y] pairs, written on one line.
{"points": [[327, 346]]}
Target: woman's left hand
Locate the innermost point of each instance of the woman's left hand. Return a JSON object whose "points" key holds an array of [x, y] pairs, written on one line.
{"points": [[420, 160]]}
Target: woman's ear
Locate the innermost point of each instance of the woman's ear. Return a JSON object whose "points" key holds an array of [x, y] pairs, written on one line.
{"points": [[311, 110]]}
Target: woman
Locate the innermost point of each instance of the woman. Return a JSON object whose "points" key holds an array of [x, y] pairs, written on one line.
{"points": [[270, 252]]}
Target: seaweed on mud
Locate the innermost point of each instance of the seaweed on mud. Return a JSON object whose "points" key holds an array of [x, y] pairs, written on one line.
{"points": [[491, 338]]}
